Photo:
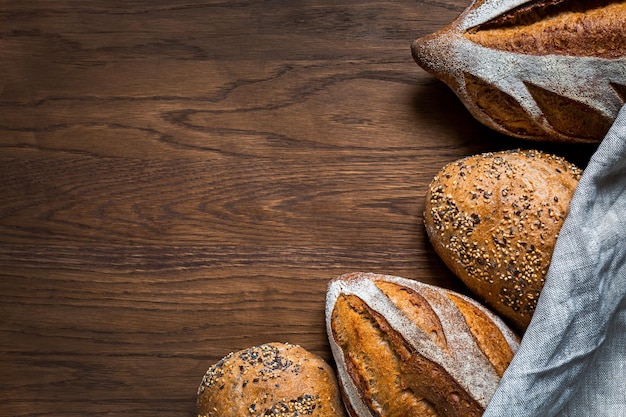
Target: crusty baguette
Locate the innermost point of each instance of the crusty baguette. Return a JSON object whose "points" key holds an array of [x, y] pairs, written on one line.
{"points": [[494, 218], [404, 348], [271, 380], [552, 70]]}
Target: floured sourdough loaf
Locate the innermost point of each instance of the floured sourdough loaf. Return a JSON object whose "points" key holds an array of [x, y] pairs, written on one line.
{"points": [[494, 218], [404, 348], [535, 69], [270, 380]]}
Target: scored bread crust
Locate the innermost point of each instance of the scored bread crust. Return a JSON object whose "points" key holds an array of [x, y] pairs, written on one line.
{"points": [[552, 70], [494, 218], [403, 347], [271, 380]]}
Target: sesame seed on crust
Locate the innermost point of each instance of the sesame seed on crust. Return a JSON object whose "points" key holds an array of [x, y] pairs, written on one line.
{"points": [[500, 244]]}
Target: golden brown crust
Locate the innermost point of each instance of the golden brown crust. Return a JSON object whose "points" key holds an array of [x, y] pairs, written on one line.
{"points": [[487, 336], [372, 364], [274, 379], [494, 219], [405, 348], [592, 28]]}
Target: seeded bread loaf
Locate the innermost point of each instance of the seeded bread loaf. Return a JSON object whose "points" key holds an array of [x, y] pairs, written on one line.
{"points": [[536, 69], [404, 348], [494, 219], [274, 379]]}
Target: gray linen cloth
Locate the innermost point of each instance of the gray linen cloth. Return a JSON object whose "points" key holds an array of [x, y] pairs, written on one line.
{"points": [[572, 358]]}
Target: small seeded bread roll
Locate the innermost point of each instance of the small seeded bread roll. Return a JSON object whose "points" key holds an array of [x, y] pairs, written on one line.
{"points": [[494, 219], [404, 348], [274, 379]]}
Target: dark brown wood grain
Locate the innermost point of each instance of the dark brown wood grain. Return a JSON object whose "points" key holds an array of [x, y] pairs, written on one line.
{"points": [[180, 179]]}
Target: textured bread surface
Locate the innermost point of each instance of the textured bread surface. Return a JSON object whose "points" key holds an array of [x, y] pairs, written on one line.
{"points": [[404, 348], [494, 219], [590, 28], [552, 70], [274, 379]]}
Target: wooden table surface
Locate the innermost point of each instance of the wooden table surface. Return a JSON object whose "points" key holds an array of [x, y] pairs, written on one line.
{"points": [[181, 179]]}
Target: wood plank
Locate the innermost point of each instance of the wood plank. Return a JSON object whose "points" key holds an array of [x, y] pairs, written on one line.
{"points": [[182, 179]]}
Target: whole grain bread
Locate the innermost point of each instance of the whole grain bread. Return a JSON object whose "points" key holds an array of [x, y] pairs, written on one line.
{"points": [[271, 380], [552, 70], [494, 219], [405, 348]]}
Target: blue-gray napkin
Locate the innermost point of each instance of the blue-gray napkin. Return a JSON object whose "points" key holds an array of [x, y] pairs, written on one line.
{"points": [[572, 358]]}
